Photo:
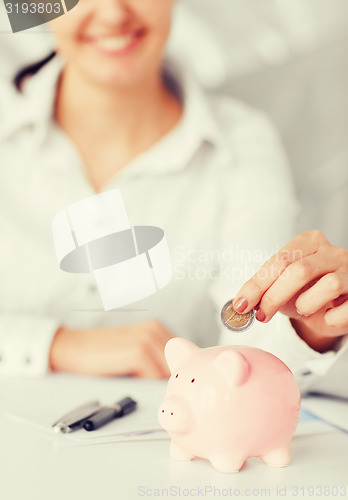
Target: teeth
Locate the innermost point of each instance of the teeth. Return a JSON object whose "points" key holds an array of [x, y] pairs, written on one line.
{"points": [[114, 42]]}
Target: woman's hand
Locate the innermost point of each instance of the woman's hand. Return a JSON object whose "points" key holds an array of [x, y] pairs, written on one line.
{"points": [[127, 350], [308, 281]]}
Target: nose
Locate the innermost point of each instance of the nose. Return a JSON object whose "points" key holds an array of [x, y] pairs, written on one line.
{"points": [[173, 416], [169, 408], [114, 11]]}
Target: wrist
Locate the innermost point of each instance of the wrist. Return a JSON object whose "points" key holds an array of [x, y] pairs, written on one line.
{"points": [[316, 341], [66, 350]]}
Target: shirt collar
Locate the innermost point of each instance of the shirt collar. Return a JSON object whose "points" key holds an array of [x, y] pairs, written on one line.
{"points": [[34, 106], [197, 126]]}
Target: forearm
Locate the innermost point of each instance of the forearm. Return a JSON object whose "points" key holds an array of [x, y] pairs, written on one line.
{"points": [[89, 351], [69, 348], [126, 350]]}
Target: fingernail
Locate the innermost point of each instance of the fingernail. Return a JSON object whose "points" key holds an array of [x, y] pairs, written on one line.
{"points": [[241, 305], [260, 315], [300, 314]]}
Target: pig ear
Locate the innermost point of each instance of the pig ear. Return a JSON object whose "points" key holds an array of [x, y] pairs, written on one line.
{"points": [[176, 350], [233, 366]]}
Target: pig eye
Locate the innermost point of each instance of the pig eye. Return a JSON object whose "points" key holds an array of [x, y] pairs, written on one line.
{"points": [[176, 376], [192, 381]]}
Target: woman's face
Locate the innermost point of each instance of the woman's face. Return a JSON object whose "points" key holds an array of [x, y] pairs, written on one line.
{"points": [[115, 42]]}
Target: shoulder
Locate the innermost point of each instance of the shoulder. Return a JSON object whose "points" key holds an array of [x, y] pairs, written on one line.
{"points": [[8, 93], [250, 136], [232, 120], [34, 104], [256, 155], [11, 103], [242, 123]]}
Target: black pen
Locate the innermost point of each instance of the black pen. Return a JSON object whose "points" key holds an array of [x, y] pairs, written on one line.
{"points": [[109, 413]]}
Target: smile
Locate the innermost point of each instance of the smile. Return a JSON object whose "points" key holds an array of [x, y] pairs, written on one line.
{"points": [[117, 44]]}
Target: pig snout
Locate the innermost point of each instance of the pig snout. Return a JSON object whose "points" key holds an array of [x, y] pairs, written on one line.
{"points": [[174, 416]]}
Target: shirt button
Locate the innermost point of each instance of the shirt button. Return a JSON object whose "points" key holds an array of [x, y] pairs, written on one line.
{"points": [[27, 360], [92, 288]]}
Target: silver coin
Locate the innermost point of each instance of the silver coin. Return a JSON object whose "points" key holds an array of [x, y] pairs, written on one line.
{"points": [[235, 321]]}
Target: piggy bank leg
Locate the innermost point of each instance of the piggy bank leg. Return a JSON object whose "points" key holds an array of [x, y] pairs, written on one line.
{"points": [[228, 463], [277, 458], [179, 453]]}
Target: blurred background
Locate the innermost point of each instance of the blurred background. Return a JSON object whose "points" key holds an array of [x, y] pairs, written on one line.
{"points": [[286, 57]]}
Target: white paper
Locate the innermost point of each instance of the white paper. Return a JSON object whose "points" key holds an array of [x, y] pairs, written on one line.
{"points": [[41, 402], [332, 410]]}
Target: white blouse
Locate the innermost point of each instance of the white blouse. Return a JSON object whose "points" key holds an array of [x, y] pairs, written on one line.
{"points": [[217, 184]]}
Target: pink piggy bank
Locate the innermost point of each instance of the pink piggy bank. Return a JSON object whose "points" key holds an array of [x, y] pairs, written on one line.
{"points": [[227, 404]]}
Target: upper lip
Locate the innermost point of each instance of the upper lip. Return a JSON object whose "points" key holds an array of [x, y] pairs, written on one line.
{"points": [[115, 35]]}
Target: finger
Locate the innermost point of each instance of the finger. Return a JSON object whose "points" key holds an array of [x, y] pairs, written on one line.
{"points": [[160, 360], [300, 247], [148, 368], [143, 366], [296, 276], [251, 292], [328, 288], [158, 329], [337, 317], [152, 337], [164, 336], [134, 357], [159, 338]]}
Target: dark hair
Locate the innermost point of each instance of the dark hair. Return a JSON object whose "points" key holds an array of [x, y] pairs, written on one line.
{"points": [[30, 70]]}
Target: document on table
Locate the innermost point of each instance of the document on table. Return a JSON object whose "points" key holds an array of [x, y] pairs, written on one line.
{"points": [[40, 402], [329, 409]]}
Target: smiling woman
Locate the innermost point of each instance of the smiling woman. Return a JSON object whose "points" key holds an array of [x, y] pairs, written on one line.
{"points": [[113, 53], [95, 37], [106, 110]]}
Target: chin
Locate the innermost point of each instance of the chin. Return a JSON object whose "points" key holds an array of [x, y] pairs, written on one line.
{"points": [[122, 81], [122, 76]]}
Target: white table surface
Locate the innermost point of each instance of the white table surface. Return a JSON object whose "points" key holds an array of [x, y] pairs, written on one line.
{"points": [[32, 466]]}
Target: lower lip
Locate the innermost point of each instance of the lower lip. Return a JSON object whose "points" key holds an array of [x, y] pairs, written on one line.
{"points": [[118, 52]]}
